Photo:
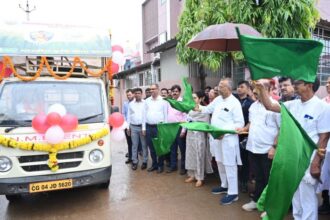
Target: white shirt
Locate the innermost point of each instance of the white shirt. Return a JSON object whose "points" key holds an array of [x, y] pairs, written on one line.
{"points": [[155, 111], [135, 113], [313, 115], [226, 113], [263, 128]]}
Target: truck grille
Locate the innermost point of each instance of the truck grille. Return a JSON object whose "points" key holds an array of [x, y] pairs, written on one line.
{"points": [[69, 160]]}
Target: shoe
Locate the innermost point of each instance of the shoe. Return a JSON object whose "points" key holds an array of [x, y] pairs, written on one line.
{"points": [[228, 199], [128, 161], [183, 172], [263, 214], [219, 190], [171, 170], [134, 166], [143, 166], [152, 169], [324, 209], [160, 169], [250, 206], [190, 179], [199, 183]]}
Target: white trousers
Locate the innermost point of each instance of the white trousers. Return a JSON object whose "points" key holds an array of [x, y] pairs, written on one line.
{"points": [[305, 202], [228, 177]]}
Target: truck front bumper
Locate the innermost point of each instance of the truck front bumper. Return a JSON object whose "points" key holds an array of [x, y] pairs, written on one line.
{"points": [[10, 186]]}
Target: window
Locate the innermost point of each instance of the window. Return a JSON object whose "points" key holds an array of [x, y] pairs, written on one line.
{"points": [[323, 35], [148, 78], [159, 75], [141, 79]]}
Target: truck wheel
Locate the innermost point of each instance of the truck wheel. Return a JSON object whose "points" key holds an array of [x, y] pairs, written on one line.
{"points": [[104, 185], [13, 198]]}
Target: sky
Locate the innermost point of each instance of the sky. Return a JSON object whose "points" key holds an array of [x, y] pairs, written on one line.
{"points": [[122, 17]]}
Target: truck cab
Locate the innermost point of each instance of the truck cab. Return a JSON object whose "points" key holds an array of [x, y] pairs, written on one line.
{"points": [[83, 155]]}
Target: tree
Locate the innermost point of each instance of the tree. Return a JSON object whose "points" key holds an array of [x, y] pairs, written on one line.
{"points": [[272, 18]]}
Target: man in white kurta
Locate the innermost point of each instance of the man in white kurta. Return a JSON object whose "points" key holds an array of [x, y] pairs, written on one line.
{"points": [[313, 115], [227, 114]]}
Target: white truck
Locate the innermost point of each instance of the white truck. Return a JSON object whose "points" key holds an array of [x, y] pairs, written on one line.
{"points": [[83, 157]]}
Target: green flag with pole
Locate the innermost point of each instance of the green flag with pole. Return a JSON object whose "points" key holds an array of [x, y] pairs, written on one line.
{"points": [[288, 57], [166, 135], [292, 158], [187, 102]]}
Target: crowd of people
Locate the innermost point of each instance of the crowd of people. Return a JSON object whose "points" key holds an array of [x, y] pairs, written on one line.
{"points": [[254, 112]]}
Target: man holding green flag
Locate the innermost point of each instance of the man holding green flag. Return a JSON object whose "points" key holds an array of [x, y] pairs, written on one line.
{"points": [[296, 167]]}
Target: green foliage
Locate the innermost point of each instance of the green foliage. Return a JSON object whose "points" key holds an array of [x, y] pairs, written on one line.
{"points": [[273, 18]]}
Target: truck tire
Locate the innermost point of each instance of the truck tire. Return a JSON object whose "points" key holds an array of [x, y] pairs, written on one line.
{"points": [[104, 185], [13, 198]]}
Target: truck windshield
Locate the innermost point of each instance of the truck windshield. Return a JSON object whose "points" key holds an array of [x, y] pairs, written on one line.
{"points": [[20, 102]]}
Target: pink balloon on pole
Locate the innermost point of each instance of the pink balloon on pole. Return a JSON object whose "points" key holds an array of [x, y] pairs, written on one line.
{"points": [[39, 123], [116, 119], [69, 122], [54, 134], [54, 118]]}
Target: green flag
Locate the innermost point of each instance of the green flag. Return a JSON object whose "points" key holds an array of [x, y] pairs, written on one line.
{"points": [[166, 135], [289, 57], [292, 158], [187, 102], [206, 127]]}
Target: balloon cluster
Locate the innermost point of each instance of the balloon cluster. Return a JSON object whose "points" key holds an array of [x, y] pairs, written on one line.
{"points": [[117, 121], [55, 123], [7, 71], [118, 58]]}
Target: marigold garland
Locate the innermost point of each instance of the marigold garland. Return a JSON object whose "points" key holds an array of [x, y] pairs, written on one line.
{"points": [[53, 149], [44, 62]]}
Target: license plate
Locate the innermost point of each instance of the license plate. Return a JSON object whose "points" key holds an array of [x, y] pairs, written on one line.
{"points": [[50, 186]]}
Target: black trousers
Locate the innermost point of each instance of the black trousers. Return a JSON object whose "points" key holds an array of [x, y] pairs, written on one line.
{"points": [[262, 167], [129, 145]]}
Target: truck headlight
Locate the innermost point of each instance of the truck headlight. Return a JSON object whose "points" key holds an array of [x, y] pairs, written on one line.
{"points": [[95, 156], [5, 164]]}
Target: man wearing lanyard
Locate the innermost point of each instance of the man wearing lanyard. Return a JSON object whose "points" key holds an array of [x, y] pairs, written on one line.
{"points": [[155, 112], [136, 130]]}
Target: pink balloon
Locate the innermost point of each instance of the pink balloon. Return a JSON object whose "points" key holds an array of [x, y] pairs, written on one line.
{"points": [[53, 118], [117, 48], [117, 134], [116, 119], [69, 122], [114, 67], [54, 134], [39, 123]]}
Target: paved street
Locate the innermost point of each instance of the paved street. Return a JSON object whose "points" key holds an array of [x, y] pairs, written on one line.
{"points": [[132, 195]]}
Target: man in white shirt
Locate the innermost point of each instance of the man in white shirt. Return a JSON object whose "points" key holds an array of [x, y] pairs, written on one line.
{"points": [[314, 116], [227, 114], [155, 112], [136, 130], [263, 128]]}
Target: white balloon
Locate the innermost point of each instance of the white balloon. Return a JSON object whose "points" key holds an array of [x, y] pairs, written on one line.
{"points": [[58, 108], [117, 134], [118, 57], [54, 134]]}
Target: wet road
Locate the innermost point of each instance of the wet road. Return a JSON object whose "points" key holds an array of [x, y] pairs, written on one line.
{"points": [[132, 195]]}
